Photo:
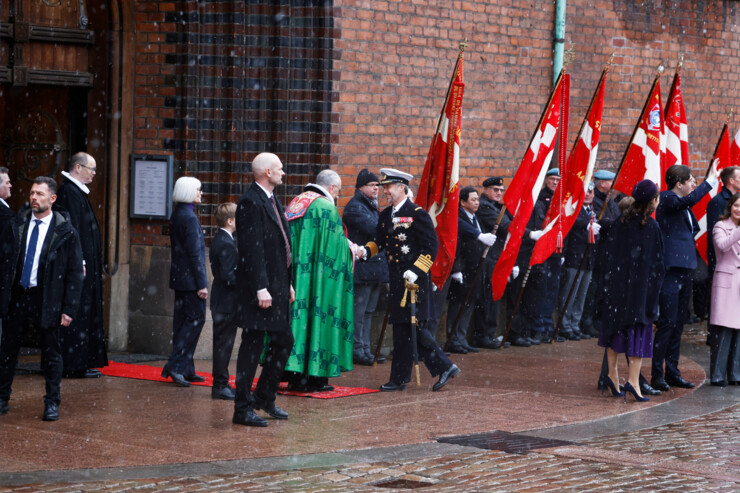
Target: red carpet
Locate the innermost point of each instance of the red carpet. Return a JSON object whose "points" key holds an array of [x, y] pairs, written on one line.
{"points": [[146, 372]]}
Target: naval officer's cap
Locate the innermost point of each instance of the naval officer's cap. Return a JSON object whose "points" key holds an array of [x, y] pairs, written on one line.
{"points": [[390, 175]]}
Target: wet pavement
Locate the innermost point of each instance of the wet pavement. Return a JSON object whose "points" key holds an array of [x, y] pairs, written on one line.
{"points": [[538, 406]]}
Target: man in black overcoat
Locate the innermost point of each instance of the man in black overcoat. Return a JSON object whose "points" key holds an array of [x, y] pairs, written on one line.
{"points": [[265, 291], [40, 285], [6, 213], [83, 342], [406, 233]]}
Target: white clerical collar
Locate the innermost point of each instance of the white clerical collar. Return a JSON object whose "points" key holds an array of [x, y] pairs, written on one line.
{"points": [[77, 182], [396, 208], [6, 204], [323, 191], [228, 232], [269, 194]]}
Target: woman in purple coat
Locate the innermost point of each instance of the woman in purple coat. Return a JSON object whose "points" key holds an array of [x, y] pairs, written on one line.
{"points": [[725, 315], [631, 283]]}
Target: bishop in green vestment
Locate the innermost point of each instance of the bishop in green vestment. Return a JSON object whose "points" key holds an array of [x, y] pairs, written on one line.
{"points": [[323, 313]]}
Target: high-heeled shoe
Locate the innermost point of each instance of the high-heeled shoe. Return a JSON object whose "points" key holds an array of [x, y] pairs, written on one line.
{"points": [[608, 383], [629, 388]]}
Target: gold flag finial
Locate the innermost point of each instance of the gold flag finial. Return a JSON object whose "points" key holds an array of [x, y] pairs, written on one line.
{"points": [[729, 117], [680, 63], [661, 68], [463, 45]]}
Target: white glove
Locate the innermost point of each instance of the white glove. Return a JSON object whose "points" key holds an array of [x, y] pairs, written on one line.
{"points": [[713, 177], [361, 253], [457, 276], [596, 227], [434, 288], [562, 261], [515, 272], [536, 235], [410, 276], [487, 239]]}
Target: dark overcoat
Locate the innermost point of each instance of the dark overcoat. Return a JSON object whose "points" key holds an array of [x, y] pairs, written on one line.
{"points": [[60, 278], [223, 256], [467, 256], [262, 262], [679, 225], [633, 278], [83, 342], [576, 242], [487, 215], [6, 214], [361, 218], [410, 243], [188, 250]]}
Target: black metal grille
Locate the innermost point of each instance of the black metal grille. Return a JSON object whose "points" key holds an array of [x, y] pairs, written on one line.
{"points": [[507, 442]]}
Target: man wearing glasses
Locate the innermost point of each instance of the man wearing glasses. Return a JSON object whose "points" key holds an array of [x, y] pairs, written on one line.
{"points": [[83, 341], [486, 313]]}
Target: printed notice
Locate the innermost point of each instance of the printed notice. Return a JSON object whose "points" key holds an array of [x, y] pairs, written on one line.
{"points": [[150, 188]]}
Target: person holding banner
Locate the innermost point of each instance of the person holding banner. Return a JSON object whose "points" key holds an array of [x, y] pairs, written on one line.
{"points": [[678, 225], [725, 311], [631, 283], [406, 233]]}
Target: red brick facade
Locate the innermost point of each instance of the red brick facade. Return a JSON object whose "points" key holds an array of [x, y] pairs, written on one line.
{"points": [[360, 83]]}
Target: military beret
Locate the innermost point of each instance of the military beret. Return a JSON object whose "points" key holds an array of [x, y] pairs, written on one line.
{"points": [[553, 172], [604, 174], [494, 181]]}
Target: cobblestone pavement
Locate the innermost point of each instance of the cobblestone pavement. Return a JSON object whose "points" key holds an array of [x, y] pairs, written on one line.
{"points": [[700, 454]]}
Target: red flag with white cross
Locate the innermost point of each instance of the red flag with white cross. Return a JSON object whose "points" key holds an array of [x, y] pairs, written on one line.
{"points": [[438, 189], [522, 193], [676, 129], [568, 197]]}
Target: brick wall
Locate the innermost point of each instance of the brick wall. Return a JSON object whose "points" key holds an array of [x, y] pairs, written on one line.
{"points": [[394, 60]]}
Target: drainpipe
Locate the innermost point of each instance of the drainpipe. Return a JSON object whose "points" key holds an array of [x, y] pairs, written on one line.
{"points": [[559, 40]]}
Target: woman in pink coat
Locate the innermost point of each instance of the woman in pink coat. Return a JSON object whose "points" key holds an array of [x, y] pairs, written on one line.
{"points": [[725, 316]]}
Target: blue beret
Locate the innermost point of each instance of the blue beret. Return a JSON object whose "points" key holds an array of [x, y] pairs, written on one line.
{"points": [[604, 174], [553, 172]]}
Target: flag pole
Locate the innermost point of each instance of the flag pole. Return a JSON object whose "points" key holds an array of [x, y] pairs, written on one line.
{"points": [[716, 148], [564, 308]]}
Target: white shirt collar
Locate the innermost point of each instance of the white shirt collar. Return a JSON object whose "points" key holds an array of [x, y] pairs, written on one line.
{"points": [[77, 182], [227, 232], [45, 220], [396, 208], [269, 194], [6, 204], [469, 214]]}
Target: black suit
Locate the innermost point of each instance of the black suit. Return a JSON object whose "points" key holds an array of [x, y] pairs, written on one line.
{"points": [[83, 342], [187, 277], [6, 215], [57, 292], [223, 256], [262, 264]]}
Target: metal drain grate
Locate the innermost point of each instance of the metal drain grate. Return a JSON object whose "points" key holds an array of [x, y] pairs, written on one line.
{"points": [[402, 484], [507, 442]]}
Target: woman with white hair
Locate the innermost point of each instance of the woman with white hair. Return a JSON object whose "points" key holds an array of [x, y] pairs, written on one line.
{"points": [[188, 279]]}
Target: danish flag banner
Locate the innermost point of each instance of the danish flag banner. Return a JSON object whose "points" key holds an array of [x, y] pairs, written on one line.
{"points": [[644, 157], [568, 197], [438, 189], [723, 154], [527, 182], [735, 150], [676, 130]]}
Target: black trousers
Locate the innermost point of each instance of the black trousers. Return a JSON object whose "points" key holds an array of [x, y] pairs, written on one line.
{"points": [[25, 310], [250, 350], [428, 350], [187, 322], [674, 310], [486, 311], [224, 334]]}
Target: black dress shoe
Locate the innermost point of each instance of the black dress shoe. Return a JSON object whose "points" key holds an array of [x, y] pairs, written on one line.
{"points": [[660, 384], [583, 335], [362, 361], [195, 378], [521, 342], [4, 406], [645, 388], [471, 349], [223, 393], [679, 382], [488, 343], [51, 412], [93, 373], [176, 378], [380, 360], [719, 384], [454, 348], [392, 387], [533, 341], [558, 338], [321, 388], [272, 410], [445, 377], [731, 382], [570, 336], [248, 418]]}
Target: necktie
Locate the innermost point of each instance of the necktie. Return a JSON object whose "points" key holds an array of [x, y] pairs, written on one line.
{"points": [[475, 223], [282, 230], [30, 255]]}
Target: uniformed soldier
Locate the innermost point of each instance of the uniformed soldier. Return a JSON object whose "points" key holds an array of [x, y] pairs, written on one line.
{"points": [[406, 233]]}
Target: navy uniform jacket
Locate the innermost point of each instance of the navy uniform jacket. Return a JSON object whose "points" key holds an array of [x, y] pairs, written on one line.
{"points": [[487, 215], [188, 247], [679, 225], [410, 243], [223, 256]]}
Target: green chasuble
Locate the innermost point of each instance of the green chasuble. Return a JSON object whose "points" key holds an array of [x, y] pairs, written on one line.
{"points": [[323, 312]]}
